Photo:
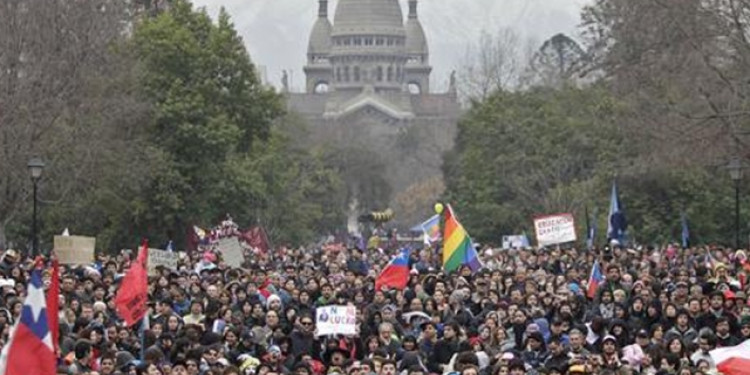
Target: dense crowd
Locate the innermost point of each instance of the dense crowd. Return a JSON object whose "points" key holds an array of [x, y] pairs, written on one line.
{"points": [[659, 311]]}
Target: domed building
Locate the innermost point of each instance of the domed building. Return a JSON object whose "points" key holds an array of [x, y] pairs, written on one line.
{"points": [[368, 84]]}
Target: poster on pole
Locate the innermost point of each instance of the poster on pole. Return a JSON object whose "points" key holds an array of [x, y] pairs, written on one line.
{"points": [[555, 229], [232, 251], [163, 258], [75, 249], [336, 320]]}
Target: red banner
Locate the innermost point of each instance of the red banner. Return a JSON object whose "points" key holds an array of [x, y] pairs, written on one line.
{"points": [[132, 296]]}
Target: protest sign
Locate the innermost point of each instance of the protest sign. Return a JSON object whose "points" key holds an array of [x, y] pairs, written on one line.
{"points": [[75, 249], [515, 242], [336, 320], [166, 259], [232, 251], [555, 229]]}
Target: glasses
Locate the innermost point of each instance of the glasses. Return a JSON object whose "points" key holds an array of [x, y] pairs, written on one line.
{"points": [[307, 323]]}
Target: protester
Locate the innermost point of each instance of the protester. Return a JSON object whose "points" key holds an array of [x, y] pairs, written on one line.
{"points": [[524, 311]]}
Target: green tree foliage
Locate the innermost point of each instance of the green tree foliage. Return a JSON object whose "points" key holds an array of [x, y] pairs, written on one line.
{"points": [[529, 153], [224, 137]]}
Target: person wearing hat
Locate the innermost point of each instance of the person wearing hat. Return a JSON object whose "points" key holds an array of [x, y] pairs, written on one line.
{"points": [[535, 352], [610, 349]]}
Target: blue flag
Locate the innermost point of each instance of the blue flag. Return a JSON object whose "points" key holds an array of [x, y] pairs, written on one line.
{"points": [[617, 223], [685, 232]]}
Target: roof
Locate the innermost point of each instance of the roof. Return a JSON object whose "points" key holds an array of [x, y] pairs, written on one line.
{"points": [[368, 17], [416, 42], [320, 37]]}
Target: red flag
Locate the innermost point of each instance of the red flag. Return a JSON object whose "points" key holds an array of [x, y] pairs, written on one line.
{"points": [[53, 305], [133, 293], [256, 238]]}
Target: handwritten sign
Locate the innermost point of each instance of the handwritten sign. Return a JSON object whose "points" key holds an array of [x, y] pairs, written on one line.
{"points": [[75, 249], [333, 320], [555, 229], [233, 253], [163, 258]]}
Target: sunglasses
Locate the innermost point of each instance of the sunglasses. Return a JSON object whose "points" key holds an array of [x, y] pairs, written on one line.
{"points": [[307, 323]]}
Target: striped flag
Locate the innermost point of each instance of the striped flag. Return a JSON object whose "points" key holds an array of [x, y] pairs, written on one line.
{"points": [[458, 249], [595, 279]]}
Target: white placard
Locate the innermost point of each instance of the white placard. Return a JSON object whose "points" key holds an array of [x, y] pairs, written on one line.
{"points": [[232, 252], [555, 229], [514, 242], [166, 259], [336, 320], [75, 249]]}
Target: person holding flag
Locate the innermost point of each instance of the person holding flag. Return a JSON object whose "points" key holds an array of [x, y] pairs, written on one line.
{"points": [[29, 350]]}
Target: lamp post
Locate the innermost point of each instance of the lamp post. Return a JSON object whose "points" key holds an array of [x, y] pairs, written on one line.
{"points": [[735, 172], [36, 166]]}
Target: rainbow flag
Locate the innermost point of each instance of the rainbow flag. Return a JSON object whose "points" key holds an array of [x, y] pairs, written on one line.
{"points": [[457, 246]]}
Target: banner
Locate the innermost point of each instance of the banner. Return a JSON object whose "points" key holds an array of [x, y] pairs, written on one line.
{"points": [[166, 259], [336, 320], [555, 229], [75, 249], [231, 251], [514, 242]]}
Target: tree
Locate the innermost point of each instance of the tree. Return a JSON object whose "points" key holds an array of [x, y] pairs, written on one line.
{"points": [[66, 96], [681, 67], [528, 153], [209, 111], [557, 62], [495, 63]]}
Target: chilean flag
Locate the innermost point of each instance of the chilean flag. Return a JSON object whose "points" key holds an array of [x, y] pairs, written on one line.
{"points": [[733, 360], [595, 279], [29, 350], [396, 274]]}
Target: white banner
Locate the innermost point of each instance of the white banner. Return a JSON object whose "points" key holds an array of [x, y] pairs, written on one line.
{"points": [[555, 229], [514, 242], [333, 320], [166, 259]]}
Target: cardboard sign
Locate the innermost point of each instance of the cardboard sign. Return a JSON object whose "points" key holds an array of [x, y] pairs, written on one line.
{"points": [[75, 249], [233, 253], [166, 259], [555, 229], [336, 320]]}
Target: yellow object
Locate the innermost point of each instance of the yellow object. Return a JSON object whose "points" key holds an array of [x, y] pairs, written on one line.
{"points": [[439, 208]]}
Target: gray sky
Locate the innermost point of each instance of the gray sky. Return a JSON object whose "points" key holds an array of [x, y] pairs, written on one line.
{"points": [[276, 32]]}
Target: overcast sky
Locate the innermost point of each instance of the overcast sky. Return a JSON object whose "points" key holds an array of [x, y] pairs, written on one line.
{"points": [[276, 32]]}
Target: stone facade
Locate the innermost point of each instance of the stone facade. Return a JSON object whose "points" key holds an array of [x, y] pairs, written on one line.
{"points": [[368, 84]]}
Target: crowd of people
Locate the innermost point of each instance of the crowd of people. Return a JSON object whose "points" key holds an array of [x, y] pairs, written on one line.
{"points": [[659, 311]]}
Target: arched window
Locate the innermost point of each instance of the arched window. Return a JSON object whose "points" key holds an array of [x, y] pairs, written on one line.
{"points": [[415, 88], [321, 87]]}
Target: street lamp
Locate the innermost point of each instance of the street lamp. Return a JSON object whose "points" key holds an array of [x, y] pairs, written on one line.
{"points": [[36, 166], [735, 172]]}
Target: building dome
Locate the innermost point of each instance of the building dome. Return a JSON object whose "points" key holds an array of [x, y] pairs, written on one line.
{"points": [[416, 42], [320, 37], [368, 17]]}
